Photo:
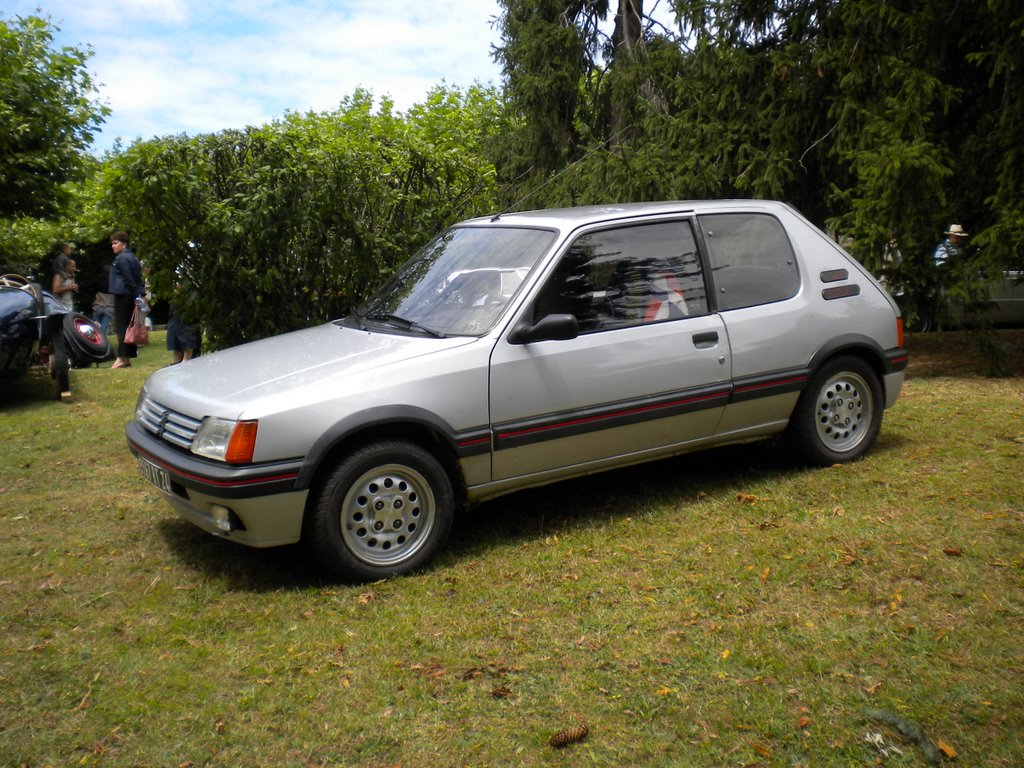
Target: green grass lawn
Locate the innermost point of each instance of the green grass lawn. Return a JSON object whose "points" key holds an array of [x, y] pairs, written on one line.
{"points": [[719, 609]]}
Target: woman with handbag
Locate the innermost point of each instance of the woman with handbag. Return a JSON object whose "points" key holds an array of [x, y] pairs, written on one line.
{"points": [[126, 286]]}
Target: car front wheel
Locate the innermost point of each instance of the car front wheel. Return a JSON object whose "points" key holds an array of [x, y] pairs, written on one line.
{"points": [[384, 510], [838, 416]]}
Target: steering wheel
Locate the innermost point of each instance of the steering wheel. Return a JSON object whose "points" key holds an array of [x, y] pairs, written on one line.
{"points": [[15, 281]]}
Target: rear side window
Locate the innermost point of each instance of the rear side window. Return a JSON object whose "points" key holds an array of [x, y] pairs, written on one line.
{"points": [[616, 278], [751, 259]]}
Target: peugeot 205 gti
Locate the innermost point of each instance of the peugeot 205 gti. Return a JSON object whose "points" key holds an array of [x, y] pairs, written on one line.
{"points": [[518, 350]]}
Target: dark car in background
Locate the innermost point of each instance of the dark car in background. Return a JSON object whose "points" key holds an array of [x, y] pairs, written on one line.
{"points": [[1007, 298], [36, 329]]}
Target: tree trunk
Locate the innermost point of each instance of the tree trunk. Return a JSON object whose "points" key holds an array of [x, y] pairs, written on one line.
{"points": [[628, 30], [627, 37]]}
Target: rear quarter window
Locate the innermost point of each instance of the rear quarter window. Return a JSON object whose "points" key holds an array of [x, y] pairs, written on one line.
{"points": [[751, 259]]}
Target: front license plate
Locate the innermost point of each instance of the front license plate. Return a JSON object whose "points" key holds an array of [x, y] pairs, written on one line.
{"points": [[158, 476]]}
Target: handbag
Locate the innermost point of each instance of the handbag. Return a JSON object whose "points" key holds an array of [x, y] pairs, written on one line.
{"points": [[137, 333]]}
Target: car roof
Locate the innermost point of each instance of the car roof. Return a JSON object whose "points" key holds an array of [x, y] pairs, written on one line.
{"points": [[561, 218]]}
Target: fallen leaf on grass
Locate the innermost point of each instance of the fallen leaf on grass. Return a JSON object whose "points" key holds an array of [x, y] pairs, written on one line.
{"points": [[945, 749], [762, 750], [803, 722], [491, 670], [431, 670], [746, 498], [848, 556], [953, 551]]}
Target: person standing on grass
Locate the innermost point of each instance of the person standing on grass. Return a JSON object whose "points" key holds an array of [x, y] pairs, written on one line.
{"points": [[64, 285], [126, 286], [183, 339], [103, 303]]}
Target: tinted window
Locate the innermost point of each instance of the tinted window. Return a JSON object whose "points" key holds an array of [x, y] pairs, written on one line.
{"points": [[751, 259], [627, 276]]}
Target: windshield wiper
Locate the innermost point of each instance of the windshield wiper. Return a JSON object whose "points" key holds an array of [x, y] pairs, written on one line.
{"points": [[404, 323], [357, 317]]}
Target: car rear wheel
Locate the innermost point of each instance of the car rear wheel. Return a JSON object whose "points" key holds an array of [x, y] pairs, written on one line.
{"points": [[838, 416], [384, 510]]}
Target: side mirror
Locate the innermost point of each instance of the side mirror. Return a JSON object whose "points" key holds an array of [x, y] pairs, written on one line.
{"points": [[550, 328]]}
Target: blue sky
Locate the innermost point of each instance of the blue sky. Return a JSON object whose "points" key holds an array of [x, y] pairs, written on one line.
{"points": [[198, 66]]}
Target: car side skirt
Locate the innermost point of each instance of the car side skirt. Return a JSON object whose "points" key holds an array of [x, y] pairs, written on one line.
{"points": [[610, 416], [485, 491]]}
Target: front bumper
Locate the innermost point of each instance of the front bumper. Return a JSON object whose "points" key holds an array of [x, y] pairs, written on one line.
{"points": [[256, 505]]}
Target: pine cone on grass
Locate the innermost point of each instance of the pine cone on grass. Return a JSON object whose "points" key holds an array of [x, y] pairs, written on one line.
{"points": [[569, 735]]}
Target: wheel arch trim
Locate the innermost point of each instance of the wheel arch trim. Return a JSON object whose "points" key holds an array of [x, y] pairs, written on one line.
{"points": [[882, 361], [393, 419]]}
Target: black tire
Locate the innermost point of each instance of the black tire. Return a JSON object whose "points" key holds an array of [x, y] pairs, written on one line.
{"points": [[85, 344], [839, 415], [385, 510]]}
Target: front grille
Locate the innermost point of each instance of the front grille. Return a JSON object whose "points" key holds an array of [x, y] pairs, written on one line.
{"points": [[173, 427]]}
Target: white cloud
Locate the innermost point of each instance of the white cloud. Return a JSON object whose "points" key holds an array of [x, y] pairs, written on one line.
{"points": [[195, 66]]}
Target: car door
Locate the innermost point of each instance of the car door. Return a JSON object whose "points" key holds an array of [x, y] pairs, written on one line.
{"points": [[648, 370], [756, 283]]}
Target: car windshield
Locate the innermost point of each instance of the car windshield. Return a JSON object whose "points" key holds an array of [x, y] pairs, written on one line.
{"points": [[460, 282]]}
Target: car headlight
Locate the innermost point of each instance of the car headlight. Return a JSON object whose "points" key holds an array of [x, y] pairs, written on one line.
{"points": [[226, 440]]}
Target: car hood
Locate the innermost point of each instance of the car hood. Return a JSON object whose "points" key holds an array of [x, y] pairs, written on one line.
{"points": [[328, 357]]}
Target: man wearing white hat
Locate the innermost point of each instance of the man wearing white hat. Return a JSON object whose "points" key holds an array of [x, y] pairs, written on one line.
{"points": [[949, 248]]}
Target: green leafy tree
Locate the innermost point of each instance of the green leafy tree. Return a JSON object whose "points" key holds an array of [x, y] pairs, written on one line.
{"points": [[48, 112], [545, 56], [999, 56], [272, 228], [869, 117], [25, 243]]}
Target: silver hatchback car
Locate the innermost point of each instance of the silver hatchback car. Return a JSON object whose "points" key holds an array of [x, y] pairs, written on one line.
{"points": [[519, 350]]}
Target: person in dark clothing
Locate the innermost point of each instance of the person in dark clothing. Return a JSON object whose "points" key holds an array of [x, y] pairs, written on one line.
{"points": [[126, 286], [183, 339]]}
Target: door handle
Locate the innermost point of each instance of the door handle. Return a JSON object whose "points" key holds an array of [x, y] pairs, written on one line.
{"points": [[707, 340]]}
